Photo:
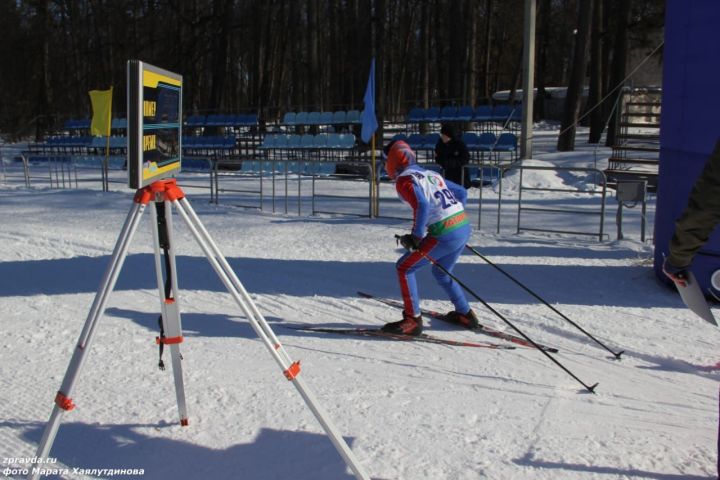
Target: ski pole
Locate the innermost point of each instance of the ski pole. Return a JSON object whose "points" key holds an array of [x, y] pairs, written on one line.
{"points": [[590, 389], [616, 354]]}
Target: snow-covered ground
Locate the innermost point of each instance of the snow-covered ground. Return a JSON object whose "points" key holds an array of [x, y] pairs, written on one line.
{"points": [[408, 410]]}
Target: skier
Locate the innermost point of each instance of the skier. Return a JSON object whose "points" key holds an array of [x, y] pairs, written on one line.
{"points": [[693, 228], [440, 229]]}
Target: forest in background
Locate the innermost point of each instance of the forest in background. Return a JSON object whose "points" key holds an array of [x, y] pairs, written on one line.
{"points": [[273, 56]]}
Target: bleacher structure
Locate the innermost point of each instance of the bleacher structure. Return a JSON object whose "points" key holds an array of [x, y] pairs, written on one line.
{"points": [[485, 117], [636, 152]]}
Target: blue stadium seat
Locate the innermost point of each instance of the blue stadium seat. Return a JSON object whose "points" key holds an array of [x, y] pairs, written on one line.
{"points": [[118, 142], [465, 113], [353, 116], [347, 140], [486, 142], [326, 168], [307, 141], [470, 139], [448, 114], [430, 140], [249, 120], [415, 140], [215, 120], [118, 123], [432, 114], [501, 113], [281, 141], [416, 115], [333, 140], [293, 141], [250, 166], [268, 142], [483, 113], [506, 142], [301, 118], [339, 117], [313, 118], [195, 121], [321, 140], [290, 118], [326, 118], [196, 164]]}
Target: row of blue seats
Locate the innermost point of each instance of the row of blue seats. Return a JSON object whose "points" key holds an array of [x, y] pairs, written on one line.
{"points": [[219, 120], [483, 113], [340, 117], [84, 141], [84, 124], [339, 141], [303, 168], [223, 143], [483, 142], [192, 121]]}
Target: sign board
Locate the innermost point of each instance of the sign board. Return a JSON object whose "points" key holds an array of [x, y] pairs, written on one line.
{"points": [[154, 105]]}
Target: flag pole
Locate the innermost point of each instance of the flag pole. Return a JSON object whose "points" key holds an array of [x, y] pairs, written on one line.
{"points": [[106, 187], [374, 190]]}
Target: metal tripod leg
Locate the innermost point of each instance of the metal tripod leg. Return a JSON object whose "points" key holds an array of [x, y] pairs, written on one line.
{"points": [[290, 369], [170, 307], [63, 401]]}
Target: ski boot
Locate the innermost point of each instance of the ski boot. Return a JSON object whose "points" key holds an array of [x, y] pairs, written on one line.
{"points": [[409, 325]]}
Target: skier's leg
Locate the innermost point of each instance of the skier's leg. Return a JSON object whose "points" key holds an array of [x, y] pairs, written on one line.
{"points": [[406, 267], [448, 252]]}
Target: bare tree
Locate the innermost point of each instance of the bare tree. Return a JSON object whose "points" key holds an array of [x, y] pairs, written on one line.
{"points": [[595, 93], [566, 139]]}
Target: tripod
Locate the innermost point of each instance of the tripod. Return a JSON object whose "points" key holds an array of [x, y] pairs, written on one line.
{"points": [[166, 193]]}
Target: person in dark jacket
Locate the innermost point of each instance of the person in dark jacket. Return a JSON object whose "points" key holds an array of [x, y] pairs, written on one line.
{"points": [[697, 222], [451, 153], [694, 227]]}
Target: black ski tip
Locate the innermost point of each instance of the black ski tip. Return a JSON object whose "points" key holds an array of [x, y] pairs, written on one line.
{"points": [[552, 350], [591, 388], [364, 295]]}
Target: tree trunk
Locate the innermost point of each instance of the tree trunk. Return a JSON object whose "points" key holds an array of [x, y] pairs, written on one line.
{"points": [[470, 84], [426, 8], [596, 93], [488, 48], [619, 65], [566, 140], [545, 14]]}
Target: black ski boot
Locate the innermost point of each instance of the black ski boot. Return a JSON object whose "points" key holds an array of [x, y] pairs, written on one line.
{"points": [[409, 325], [467, 320]]}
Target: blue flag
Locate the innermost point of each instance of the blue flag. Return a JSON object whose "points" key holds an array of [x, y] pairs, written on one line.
{"points": [[369, 121]]}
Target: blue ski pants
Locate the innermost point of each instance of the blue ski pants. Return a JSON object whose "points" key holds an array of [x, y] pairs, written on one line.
{"points": [[445, 250]]}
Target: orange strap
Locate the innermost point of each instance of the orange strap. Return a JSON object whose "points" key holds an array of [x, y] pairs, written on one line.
{"points": [[168, 340], [64, 402], [293, 371]]}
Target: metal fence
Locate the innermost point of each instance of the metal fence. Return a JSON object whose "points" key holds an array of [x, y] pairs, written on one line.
{"points": [[308, 187]]}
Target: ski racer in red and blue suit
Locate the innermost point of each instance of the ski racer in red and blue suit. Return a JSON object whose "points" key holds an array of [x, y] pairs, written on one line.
{"points": [[440, 230]]}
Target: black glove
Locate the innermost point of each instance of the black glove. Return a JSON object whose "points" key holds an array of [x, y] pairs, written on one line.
{"points": [[679, 275], [408, 241]]}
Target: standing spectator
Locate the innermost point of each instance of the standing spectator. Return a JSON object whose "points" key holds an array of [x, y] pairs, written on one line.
{"points": [[693, 228], [451, 153]]}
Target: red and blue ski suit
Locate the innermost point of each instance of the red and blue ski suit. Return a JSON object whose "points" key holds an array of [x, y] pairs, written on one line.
{"points": [[439, 219]]}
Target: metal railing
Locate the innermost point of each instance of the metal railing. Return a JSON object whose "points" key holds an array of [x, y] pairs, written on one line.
{"points": [[598, 210]]}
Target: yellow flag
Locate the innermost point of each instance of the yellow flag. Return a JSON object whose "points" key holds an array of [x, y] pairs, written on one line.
{"points": [[102, 111]]}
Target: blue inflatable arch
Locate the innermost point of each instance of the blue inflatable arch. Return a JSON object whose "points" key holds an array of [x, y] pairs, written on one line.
{"points": [[690, 123]]}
